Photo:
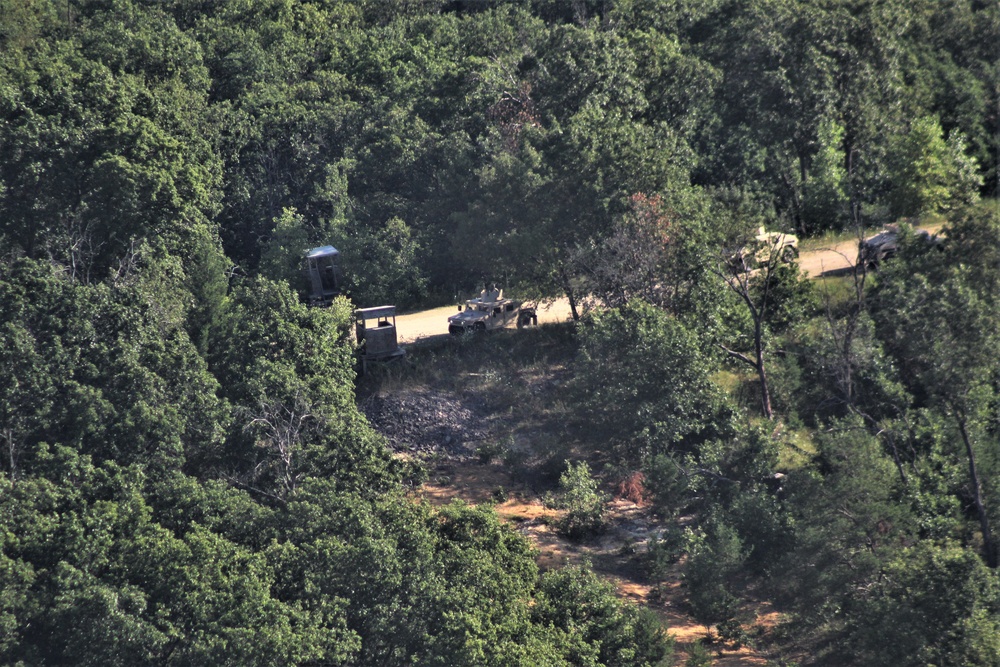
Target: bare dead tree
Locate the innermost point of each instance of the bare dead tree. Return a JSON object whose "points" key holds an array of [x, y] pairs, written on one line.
{"points": [[749, 274], [843, 330], [975, 481], [278, 429], [72, 248], [637, 260], [127, 264], [11, 442]]}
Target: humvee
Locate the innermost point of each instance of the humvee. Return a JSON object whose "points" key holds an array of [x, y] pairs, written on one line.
{"points": [[885, 245], [490, 310], [765, 245]]}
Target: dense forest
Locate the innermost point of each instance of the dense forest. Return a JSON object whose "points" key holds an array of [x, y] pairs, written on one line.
{"points": [[185, 478]]}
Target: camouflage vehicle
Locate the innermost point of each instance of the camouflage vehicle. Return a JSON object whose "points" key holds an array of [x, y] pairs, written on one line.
{"points": [[884, 245], [765, 245], [490, 310]]}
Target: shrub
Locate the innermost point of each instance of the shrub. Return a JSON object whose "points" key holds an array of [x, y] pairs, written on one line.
{"points": [[583, 502]]}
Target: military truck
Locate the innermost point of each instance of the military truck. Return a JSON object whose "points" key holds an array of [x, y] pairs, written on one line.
{"points": [[766, 245], [490, 310]]}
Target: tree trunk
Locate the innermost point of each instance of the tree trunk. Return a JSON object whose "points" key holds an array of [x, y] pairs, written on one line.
{"points": [[11, 453], [740, 285], [895, 457], [765, 392], [570, 295], [977, 491]]}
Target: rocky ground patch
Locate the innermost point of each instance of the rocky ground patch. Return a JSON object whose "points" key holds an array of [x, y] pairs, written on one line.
{"points": [[425, 421]]}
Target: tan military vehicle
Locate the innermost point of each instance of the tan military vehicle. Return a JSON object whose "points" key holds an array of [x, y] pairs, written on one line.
{"points": [[765, 246], [768, 244], [490, 310]]}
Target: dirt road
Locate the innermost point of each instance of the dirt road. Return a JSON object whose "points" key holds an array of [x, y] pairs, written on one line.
{"points": [[826, 261], [412, 327], [840, 257], [427, 323]]}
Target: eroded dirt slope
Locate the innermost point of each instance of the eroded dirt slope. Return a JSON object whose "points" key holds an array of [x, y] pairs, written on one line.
{"points": [[446, 428]]}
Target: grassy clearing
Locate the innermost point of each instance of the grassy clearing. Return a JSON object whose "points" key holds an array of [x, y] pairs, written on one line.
{"points": [[835, 291], [729, 381], [798, 449]]}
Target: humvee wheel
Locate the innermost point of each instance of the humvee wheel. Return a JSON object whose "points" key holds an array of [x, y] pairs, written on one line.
{"points": [[789, 253], [480, 327]]}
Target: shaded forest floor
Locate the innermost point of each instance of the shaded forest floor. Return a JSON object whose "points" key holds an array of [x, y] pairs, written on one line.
{"points": [[492, 421]]}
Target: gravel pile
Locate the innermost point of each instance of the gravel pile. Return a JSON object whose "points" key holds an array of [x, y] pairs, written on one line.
{"points": [[426, 422]]}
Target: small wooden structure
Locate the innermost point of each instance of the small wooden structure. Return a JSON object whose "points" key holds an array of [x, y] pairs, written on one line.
{"points": [[375, 329], [322, 270]]}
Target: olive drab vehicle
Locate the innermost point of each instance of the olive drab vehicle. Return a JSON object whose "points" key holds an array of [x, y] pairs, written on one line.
{"points": [[375, 328], [490, 310]]}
